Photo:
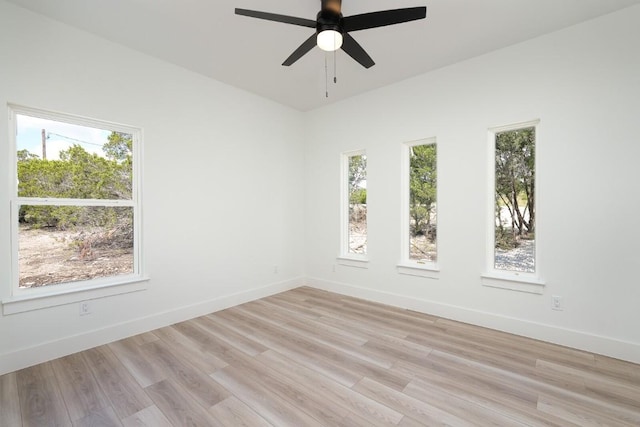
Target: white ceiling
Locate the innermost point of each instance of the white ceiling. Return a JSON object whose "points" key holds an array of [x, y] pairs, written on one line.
{"points": [[206, 36]]}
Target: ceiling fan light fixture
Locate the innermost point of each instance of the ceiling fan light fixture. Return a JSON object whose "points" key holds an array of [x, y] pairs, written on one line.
{"points": [[329, 40]]}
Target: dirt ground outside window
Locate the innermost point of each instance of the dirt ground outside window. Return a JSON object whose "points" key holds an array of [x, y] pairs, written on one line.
{"points": [[50, 256]]}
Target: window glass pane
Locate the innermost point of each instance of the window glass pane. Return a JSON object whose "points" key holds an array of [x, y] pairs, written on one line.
{"points": [[515, 213], [358, 204], [60, 244], [422, 203], [61, 160]]}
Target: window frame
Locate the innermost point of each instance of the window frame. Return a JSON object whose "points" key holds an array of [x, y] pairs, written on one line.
{"points": [[407, 265], [345, 257], [530, 282], [25, 299]]}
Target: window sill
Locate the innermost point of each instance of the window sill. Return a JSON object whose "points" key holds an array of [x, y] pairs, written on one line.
{"points": [[514, 282], [353, 261], [429, 270], [52, 297]]}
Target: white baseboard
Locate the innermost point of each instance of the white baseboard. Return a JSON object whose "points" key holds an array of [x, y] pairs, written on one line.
{"points": [[30, 356], [606, 346]]}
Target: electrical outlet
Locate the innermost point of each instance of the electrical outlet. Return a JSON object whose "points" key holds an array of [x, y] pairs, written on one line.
{"points": [[275, 269], [334, 268], [556, 303], [85, 308]]}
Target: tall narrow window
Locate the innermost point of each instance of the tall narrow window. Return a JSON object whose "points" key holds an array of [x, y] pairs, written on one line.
{"points": [[354, 205], [514, 218], [419, 217], [76, 202]]}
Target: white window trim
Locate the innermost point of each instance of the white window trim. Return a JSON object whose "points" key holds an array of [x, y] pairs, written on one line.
{"points": [[353, 260], [21, 300], [406, 265], [418, 270], [345, 257], [492, 277]]}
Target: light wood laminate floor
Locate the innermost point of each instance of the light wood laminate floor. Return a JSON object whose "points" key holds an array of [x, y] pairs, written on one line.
{"points": [[312, 358]]}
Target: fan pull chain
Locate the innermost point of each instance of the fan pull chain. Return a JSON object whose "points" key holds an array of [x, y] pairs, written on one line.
{"points": [[326, 78], [335, 67]]}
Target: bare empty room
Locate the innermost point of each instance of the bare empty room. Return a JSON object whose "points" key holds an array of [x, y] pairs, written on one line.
{"points": [[323, 213]]}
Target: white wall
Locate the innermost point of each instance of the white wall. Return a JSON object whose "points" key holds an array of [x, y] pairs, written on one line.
{"points": [[222, 183], [583, 83]]}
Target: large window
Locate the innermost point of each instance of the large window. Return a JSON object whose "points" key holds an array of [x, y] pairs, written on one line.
{"points": [[419, 213], [514, 199], [354, 205], [75, 203]]}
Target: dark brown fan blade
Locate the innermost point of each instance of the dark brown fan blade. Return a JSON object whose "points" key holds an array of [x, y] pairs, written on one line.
{"points": [[301, 51], [277, 18], [383, 18], [354, 50]]}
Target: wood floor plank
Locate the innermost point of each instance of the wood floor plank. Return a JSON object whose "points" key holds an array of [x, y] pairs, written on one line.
{"points": [[290, 346], [130, 355], [103, 417], [357, 365], [260, 399], [596, 405], [496, 394], [122, 390], [417, 409], [175, 404], [354, 325], [398, 349], [437, 366], [405, 320], [496, 356], [208, 343], [387, 316], [198, 384], [458, 407], [370, 324], [516, 344], [577, 415], [233, 412], [308, 357], [190, 350], [9, 401], [148, 417], [617, 368], [335, 394], [220, 332], [323, 329], [41, 402], [412, 422], [279, 316], [80, 390], [541, 385], [301, 308], [144, 338], [285, 389], [307, 329]]}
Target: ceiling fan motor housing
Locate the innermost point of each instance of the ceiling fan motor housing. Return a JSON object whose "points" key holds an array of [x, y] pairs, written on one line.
{"points": [[329, 20]]}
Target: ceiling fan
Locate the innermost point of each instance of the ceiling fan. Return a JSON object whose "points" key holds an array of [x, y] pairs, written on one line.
{"points": [[332, 29]]}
